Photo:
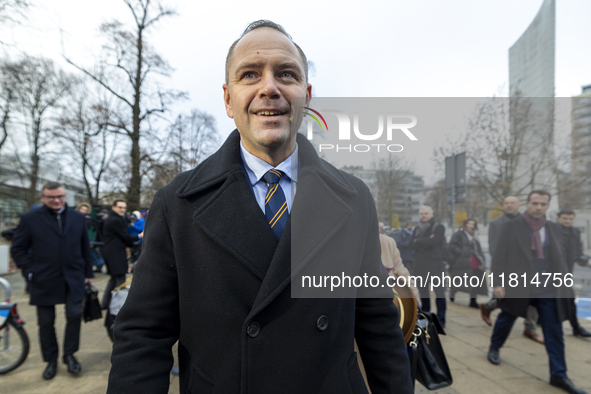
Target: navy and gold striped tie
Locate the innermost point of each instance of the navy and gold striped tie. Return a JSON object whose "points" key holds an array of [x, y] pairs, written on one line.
{"points": [[275, 203]]}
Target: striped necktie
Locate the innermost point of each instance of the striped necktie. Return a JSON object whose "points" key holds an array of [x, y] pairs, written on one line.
{"points": [[275, 203]]}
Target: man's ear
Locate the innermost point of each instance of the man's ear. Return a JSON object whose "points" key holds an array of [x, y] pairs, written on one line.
{"points": [[228, 101], [308, 94]]}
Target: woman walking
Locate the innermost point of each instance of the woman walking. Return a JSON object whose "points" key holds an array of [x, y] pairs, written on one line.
{"points": [[468, 259]]}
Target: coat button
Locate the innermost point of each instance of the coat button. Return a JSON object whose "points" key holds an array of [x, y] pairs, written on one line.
{"points": [[253, 329], [322, 323]]}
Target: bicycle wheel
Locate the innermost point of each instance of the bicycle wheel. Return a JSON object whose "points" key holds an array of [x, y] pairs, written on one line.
{"points": [[14, 347]]}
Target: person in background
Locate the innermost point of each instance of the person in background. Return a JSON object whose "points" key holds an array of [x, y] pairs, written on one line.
{"points": [[428, 241], [97, 260], [407, 253], [510, 211], [573, 249], [393, 263], [116, 239], [468, 259], [51, 248], [531, 245], [136, 227]]}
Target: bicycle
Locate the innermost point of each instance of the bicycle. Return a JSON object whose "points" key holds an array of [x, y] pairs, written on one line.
{"points": [[14, 341]]}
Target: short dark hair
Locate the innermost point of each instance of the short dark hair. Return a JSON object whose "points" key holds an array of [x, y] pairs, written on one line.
{"points": [[118, 201], [51, 186], [566, 212], [256, 25], [540, 192]]}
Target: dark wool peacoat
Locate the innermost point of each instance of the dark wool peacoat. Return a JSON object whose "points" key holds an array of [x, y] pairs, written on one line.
{"points": [[214, 277], [494, 231], [116, 239], [53, 262], [514, 255], [573, 246], [461, 249]]}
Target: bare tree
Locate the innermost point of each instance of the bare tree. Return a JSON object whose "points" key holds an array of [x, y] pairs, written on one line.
{"points": [[84, 127], [190, 139], [38, 89], [129, 58], [8, 84], [12, 12], [436, 200], [391, 177], [509, 147]]}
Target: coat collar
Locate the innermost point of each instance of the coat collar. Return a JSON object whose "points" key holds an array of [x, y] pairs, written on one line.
{"points": [[49, 217], [523, 233], [226, 161], [231, 216]]}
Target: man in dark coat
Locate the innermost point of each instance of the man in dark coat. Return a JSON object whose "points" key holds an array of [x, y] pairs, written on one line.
{"points": [[116, 239], [428, 242], [573, 250], [510, 211], [51, 247], [216, 274], [407, 253], [531, 246]]}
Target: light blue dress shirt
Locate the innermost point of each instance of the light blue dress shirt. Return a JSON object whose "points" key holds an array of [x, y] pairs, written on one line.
{"points": [[256, 168]]}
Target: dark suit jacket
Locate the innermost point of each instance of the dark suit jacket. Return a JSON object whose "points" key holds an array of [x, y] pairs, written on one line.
{"points": [[213, 276], [116, 238], [573, 246], [494, 231], [514, 255], [53, 262]]}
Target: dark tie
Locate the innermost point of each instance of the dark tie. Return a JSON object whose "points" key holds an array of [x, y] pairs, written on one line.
{"points": [[59, 222], [275, 203]]}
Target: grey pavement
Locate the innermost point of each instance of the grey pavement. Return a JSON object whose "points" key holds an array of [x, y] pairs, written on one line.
{"points": [[523, 368]]}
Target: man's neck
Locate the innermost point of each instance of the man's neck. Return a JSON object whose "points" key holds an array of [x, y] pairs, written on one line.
{"points": [[273, 157], [59, 210]]}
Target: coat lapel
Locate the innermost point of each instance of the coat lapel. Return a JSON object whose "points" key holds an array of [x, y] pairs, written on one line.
{"points": [[68, 219], [317, 214], [48, 219], [523, 236], [230, 215]]}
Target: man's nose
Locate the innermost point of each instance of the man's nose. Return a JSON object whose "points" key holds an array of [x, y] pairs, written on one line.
{"points": [[269, 87]]}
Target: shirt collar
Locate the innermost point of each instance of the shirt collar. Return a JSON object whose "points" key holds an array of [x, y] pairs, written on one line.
{"points": [[256, 168]]}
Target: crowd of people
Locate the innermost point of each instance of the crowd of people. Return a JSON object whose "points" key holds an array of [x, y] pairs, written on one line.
{"points": [[525, 243]]}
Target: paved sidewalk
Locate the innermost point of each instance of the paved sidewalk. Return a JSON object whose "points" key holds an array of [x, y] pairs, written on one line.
{"points": [[523, 368], [94, 353]]}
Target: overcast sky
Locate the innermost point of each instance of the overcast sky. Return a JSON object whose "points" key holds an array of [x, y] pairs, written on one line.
{"points": [[427, 48]]}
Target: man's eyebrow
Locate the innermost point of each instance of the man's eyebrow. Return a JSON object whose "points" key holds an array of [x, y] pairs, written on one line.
{"points": [[255, 65], [248, 65]]}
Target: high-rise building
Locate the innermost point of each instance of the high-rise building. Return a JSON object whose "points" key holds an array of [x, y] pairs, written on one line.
{"points": [[581, 144], [531, 88], [531, 58]]}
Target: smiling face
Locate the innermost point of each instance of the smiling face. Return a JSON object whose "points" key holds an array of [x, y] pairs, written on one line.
{"points": [[265, 72]]}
